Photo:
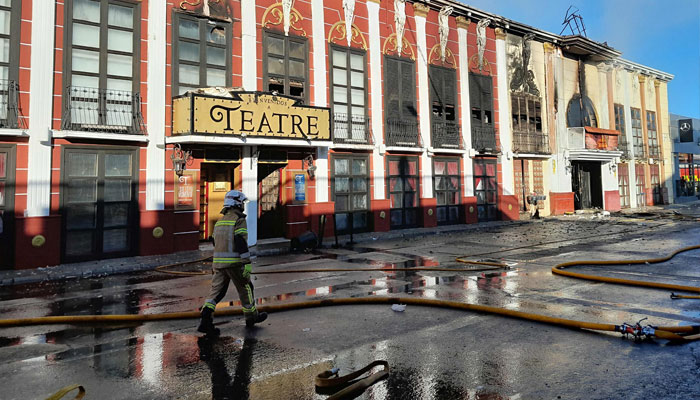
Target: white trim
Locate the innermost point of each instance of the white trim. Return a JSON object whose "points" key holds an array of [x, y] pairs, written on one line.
{"points": [[155, 114], [14, 132], [100, 136], [377, 108], [353, 146], [506, 136], [424, 107], [249, 45], [468, 165], [531, 156], [40, 118], [192, 139], [593, 155], [185, 233], [319, 56], [186, 211], [446, 151], [400, 149], [322, 174]]}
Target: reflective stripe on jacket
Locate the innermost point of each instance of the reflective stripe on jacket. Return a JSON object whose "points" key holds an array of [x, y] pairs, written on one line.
{"points": [[231, 240]]}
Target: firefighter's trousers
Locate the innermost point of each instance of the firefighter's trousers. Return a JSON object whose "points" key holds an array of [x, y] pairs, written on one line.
{"points": [[240, 275]]}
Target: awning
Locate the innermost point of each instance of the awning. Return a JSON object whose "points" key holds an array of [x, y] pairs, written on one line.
{"points": [[601, 131]]}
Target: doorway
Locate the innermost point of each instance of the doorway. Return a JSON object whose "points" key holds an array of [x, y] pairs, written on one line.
{"points": [[587, 184], [271, 219], [7, 210], [217, 180]]}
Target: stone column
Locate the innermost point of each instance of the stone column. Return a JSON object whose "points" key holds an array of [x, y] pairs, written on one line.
{"points": [[155, 117], [506, 135], [421, 13], [320, 93], [376, 106], [463, 59]]}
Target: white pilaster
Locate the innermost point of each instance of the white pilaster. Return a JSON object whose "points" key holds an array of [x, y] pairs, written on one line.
{"points": [[630, 138], [604, 114], [155, 117], [249, 174], [41, 94], [375, 75], [465, 113], [424, 107], [249, 45], [562, 177], [319, 46], [322, 172], [504, 118]]}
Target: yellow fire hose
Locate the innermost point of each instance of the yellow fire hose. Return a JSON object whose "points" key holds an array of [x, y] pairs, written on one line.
{"points": [[343, 387], [63, 392]]}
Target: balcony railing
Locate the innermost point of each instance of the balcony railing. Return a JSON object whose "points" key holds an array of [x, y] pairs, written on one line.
{"points": [[402, 133], [9, 105], [531, 143], [640, 152], [654, 152], [484, 139], [353, 131], [623, 146], [445, 135], [102, 110]]}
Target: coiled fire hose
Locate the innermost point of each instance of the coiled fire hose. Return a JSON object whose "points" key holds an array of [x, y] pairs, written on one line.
{"points": [[344, 387]]}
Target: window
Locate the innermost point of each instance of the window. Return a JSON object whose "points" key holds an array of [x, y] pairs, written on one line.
{"points": [[486, 189], [623, 181], [403, 191], [102, 65], [285, 70], [620, 127], [656, 189], [400, 102], [443, 98], [99, 202], [637, 133], [351, 193], [481, 102], [447, 190], [652, 137], [581, 112], [349, 95], [201, 53], [639, 179], [9, 62], [526, 117]]}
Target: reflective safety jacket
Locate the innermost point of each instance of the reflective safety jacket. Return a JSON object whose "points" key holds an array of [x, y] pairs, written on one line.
{"points": [[231, 240]]}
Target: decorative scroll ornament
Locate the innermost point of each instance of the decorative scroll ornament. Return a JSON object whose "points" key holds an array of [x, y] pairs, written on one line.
{"points": [[437, 55], [349, 8], [481, 40], [523, 78], [391, 45], [275, 15], [444, 29], [474, 65], [400, 21], [338, 33], [287, 10]]}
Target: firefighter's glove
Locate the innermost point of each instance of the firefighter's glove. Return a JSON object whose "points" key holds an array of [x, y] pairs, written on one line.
{"points": [[247, 269]]}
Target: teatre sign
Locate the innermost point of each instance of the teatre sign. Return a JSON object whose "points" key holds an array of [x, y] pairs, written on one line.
{"points": [[250, 114]]}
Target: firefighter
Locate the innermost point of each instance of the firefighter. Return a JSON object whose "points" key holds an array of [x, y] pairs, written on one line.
{"points": [[231, 263]]}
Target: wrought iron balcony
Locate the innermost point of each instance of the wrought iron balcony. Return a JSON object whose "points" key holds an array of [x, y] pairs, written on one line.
{"points": [[484, 139], [356, 130], [654, 152], [445, 135], [402, 133], [531, 143], [623, 146], [102, 110], [640, 152], [9, 105]]}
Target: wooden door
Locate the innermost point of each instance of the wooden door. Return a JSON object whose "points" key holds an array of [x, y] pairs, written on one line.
{"points": [[270, 215], [218, 183]]}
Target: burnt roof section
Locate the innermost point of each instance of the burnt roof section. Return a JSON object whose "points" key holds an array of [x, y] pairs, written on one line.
{"points": [[587, 48]]}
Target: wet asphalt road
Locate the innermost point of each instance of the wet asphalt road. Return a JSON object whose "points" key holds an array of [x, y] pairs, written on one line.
{"points": [[433, 353]]}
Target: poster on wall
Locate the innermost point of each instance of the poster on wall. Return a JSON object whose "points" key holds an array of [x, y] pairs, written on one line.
{"points": [[185, 190], [299, 188]]}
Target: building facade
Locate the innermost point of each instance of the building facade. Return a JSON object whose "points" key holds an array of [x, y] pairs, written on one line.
{"points": [[127, 121], [685, 136]]}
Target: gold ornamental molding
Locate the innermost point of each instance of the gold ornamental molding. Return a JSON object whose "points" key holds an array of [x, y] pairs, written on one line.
{"points": [[462, 22], [548, 47], [500, 33], [338, 32], [274, 16], [474, 64], [420, 10], [641, 78], [391, 46], [435, 57]]}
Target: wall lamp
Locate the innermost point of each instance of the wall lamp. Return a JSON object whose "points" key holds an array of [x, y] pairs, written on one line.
{"points": [[180, 159], [308, 164]]}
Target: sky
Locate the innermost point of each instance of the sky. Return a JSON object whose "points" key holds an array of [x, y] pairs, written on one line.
{"points": [[661, 34]]}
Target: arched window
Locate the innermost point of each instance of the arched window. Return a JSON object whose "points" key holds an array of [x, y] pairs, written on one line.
{"points": [[581, 112]]}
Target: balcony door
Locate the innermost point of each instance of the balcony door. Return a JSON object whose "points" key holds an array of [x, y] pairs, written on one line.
{"points": [[403, 189], [7, 211], [447, 190], [486, 189], [99, 202]]}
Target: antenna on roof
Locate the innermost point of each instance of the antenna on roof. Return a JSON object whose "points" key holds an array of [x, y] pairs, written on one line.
{"points": [[574, 21]]}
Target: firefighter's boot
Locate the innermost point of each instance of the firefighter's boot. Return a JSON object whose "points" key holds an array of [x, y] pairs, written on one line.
{"points": [[255, 319], [206, 324]]}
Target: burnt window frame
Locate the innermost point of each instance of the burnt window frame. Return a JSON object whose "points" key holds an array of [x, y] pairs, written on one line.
{"points": [[516, 115], [404, 210], [350, 194], [476, 91], [446, 191], [265, 62], [203, 22], [436, 94], [590, 118]]}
